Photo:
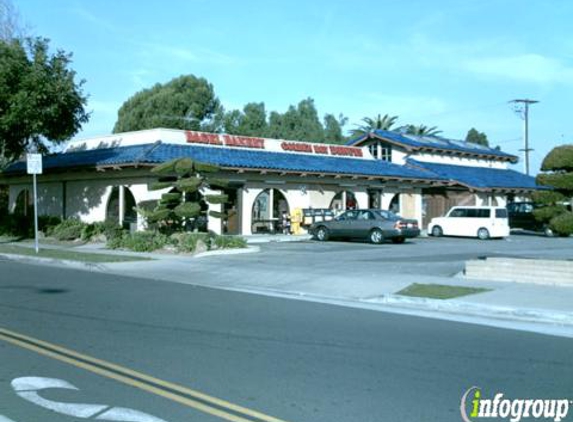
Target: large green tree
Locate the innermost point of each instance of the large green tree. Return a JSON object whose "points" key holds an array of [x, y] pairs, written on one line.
{"points": [[186, 102], [333, 129], [252, 121], [41, 100], [557, 168], [299, 123], [476, 137], [378, 122]]}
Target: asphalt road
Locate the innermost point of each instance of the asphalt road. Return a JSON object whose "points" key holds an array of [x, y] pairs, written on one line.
{"points": [[297, 361]]}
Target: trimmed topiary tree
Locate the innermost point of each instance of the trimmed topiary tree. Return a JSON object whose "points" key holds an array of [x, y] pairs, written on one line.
{"points": [[177, 209], [557, 173]]}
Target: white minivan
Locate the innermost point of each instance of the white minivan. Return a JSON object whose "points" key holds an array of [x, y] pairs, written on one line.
{"points": [[481, 222]]}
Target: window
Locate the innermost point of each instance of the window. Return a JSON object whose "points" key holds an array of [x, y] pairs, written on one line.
{"points": [[501, 213], [386, 152], [478, 212], [365, 215], [373, 148], [458, 213], [349, 215], [381, 151]]}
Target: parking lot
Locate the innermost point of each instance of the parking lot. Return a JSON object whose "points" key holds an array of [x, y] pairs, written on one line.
{"points": [[444, 256]]}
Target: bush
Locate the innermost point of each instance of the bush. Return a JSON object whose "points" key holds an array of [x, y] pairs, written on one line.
{"points": [[70, 229], [47, 224], [17, 225], [187, 242], [230, 242], [562, 225], [144, 241], [107, 228]]}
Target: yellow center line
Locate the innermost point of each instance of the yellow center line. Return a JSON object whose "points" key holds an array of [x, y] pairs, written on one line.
{"points": [[212, 405]]}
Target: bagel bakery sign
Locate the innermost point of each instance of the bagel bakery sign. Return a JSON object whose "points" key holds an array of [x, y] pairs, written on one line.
{"points": [[270, 144]]}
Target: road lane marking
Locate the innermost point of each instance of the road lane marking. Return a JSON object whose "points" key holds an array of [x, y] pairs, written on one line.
{"points": [[5, 419], [28, 388], [183, 395]]}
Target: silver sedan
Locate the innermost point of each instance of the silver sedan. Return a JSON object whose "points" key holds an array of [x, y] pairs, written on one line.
{"points": [[372, 224]]}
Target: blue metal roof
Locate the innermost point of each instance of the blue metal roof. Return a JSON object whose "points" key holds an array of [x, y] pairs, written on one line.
{"points": [[434, 142], [226, 157], [480, 177]]}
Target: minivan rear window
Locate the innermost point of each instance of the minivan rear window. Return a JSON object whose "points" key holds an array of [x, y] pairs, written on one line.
{"points": [[501, 213]]}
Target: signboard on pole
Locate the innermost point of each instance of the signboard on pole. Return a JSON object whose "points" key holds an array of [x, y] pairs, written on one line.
{"points": [[34, 163]]}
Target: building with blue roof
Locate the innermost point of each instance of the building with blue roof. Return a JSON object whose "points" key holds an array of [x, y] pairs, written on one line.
{"points": [[107, 177]]}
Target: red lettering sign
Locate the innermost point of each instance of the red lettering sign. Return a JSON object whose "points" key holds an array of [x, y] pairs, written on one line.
{"points": [[320, 149], [296, 147], [202, 138], [346, 151], [228, 140], [244, 141]]}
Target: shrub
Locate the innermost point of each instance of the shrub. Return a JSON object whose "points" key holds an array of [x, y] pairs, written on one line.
{"points": [[144, 241], [17, 225], [47, 223], [230, 242], [562, 225], [70, 229], [187, 242]]}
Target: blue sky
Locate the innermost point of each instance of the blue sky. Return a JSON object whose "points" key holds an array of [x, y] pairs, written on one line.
{"points": [[451, 64]]}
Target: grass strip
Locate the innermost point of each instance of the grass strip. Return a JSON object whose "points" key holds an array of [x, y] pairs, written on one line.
{"points": [[439, 291], [68, 255]]}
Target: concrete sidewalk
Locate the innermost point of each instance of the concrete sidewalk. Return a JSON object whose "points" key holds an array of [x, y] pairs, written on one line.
{"points": [[540, 308]]}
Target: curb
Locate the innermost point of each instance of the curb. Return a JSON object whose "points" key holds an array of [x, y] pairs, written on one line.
{"points": [[238, 251], [472, 309], [278, 239], [91, 266]]}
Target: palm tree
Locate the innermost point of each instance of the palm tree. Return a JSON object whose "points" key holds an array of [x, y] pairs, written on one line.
{"points": [[420, 130], [380, 122]]}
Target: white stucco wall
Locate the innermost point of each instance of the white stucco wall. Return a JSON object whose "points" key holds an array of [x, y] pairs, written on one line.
{"points": [[460, 161]]}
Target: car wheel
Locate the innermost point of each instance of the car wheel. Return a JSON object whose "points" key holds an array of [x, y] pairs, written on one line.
{"points": [[483, 233], [322, 234], [437, 231], [398, 240], [376, 236]]}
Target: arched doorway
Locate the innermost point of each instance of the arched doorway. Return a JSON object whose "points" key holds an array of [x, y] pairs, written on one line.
{"points": [[268, 209], [24, 204], [121, 206], [395, 204], [344, 200]]}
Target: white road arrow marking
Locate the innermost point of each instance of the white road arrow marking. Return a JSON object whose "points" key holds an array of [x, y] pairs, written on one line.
{"points": [[124, 414], [28, 387]]}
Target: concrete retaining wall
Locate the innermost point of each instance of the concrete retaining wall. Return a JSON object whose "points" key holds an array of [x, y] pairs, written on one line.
{"points": [[537, 271]]}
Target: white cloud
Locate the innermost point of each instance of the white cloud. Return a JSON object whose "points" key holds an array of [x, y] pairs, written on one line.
{"points": [[533, 68]]}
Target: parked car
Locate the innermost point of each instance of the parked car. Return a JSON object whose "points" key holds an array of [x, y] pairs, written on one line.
{"points": [[372, 224], [521, 217], [481, 222]]}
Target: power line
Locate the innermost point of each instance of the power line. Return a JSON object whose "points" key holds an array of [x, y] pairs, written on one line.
{"points": [[522, 107]]}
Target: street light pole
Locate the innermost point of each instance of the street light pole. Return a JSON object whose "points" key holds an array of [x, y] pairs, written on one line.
{"points": [[525, 111]]}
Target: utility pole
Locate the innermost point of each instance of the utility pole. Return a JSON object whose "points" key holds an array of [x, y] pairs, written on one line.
{"points": [[523, 109]]}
